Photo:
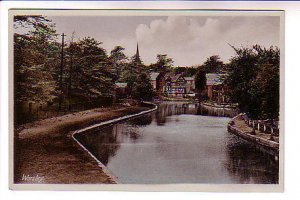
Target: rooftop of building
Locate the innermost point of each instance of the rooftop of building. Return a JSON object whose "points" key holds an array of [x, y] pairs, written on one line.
{"points": [[214, 79]]}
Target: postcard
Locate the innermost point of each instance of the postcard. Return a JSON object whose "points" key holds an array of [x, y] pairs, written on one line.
{"points": [[146, 100]]}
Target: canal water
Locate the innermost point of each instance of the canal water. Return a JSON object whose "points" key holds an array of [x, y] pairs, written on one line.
{"points": [[177, 145]]}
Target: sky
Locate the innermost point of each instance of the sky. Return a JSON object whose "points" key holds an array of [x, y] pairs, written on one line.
{"points": [[189, 40]]}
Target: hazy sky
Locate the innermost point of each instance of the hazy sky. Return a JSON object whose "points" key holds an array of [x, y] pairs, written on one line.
{"points": [[188, 40]]}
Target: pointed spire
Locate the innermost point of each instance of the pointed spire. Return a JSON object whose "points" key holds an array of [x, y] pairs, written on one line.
{"points": [[137, 55]]}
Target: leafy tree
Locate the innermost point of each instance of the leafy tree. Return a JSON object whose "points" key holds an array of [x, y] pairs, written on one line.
{"points": [[34, 51], [137, 77], [163, 63], [253, 81], [92, 69], [118, 59], [186, 71], [213, 64], [200, 83]]}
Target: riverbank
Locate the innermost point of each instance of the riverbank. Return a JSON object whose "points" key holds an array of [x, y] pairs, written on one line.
{"points": [[239, 127], [45, 151], [220, 110]]}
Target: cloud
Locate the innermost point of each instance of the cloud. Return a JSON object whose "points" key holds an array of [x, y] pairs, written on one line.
{"points": [[190, 40]]}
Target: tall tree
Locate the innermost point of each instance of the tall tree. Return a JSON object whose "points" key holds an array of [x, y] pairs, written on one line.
{"points": [[163, 64], [92, 69], [35, 51], [213, 64], [200, 83], [118, 59], [136, 75], [253, 80]]}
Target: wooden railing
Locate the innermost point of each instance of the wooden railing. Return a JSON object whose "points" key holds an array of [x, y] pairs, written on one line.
{"points": [[266, 126]]}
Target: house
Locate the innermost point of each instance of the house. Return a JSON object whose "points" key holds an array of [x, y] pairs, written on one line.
{"points": [[190, 84], [216, 88], [153, 79], [175, 85], [121, 90], [158, 81]]}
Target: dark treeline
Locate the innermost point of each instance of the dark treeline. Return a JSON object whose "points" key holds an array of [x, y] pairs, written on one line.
{"points": [[251, 78], [85, 73]]}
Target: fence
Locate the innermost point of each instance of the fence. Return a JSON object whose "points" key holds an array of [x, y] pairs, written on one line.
{"points": [[267, 126]]}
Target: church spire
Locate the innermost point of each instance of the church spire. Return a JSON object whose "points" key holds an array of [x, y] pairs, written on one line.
{"points": [[137, 55]]}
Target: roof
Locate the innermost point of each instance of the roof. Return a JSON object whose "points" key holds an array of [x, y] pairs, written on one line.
{"points": [[121, 85], [176, 77], [214, 79], [153, 76], [189, 78], [173, 77]]}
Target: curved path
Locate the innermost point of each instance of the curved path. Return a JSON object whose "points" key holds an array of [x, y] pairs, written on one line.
{"points": [[45, 151]]}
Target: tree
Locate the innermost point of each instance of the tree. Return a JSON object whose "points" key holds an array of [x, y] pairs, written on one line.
{"points": [[34, 51], [92, 69], [136, 75], [186, 71], [163, 63], [213, 64], [118, 59], [253, 81], [200, 84]]}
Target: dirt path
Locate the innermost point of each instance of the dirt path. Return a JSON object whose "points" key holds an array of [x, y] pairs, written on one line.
{"points": [[239, 127], [44, 152]]}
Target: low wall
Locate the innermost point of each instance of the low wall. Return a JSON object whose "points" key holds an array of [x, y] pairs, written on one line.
{"points": [[112, 177], [220, 110], [246, 135]]}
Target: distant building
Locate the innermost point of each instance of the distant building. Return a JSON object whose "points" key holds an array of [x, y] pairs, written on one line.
{"points": [[190, 84], [215, 88], [174, 85], [121, 90], [153, 79]]}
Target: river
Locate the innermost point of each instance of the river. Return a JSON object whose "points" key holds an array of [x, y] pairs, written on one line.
{"points": [[177, 145]]}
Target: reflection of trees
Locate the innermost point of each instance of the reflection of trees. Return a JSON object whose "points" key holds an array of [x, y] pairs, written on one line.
{"points": [[132, 131], [168, 109], [103, 144], [219, 112], [251, 165], [142, 120]]}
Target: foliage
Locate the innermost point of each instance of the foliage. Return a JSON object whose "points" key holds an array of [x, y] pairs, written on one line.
{"points": [[137, 77], [92, 70], [163, 64], [253, 81], [34, 52], [213, 64], [200, 82], [186, 71], [118, 59]]}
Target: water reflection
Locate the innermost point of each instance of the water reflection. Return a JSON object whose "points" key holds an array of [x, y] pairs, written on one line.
{"points": [[219, 112], [174, 145], [248, 164], [104, 145], [170, 108]]}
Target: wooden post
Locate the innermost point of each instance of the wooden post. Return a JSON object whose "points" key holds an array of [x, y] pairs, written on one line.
{"points": [[61, 72]]}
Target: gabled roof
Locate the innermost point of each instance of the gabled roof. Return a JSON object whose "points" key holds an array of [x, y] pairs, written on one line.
{"points": [[189, 78], [214, 79], [153, 76], [176, 77], [173, 77]]}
